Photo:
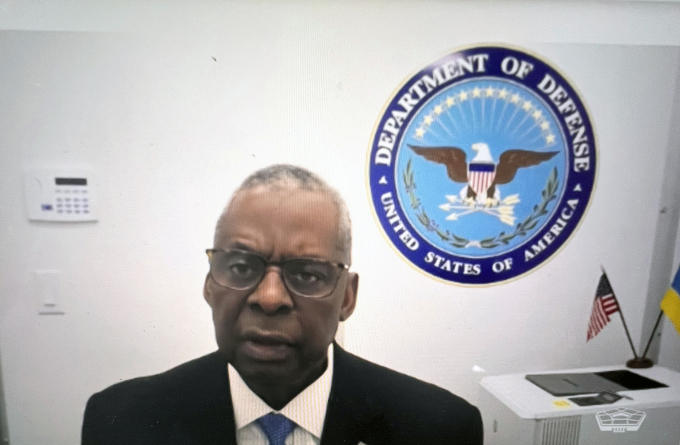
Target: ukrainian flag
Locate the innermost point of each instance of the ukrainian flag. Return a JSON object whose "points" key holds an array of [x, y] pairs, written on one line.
{"points": [[671, 302]]}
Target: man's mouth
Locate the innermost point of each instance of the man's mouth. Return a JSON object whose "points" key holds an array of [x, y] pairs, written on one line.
{"points": [[267, 346]]}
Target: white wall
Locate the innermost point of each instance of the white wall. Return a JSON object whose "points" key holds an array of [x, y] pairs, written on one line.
{"points": [[172, 132]]}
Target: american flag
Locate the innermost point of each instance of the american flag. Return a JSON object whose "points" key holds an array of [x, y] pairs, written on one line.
{"points": [[481, 176], [604, 305]]}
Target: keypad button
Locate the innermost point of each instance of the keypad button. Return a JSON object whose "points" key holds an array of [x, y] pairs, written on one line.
{"points": [[69, 211], [86, 211], [60, 211]]}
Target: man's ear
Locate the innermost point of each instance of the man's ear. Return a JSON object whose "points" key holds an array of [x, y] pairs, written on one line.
{"points": [[349, 301], [206, 292]]}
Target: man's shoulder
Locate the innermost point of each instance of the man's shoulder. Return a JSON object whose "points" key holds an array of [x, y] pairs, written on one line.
{"points": [[160, 408], [390, 383], [183, 378], [411, 409], [182, 389]]}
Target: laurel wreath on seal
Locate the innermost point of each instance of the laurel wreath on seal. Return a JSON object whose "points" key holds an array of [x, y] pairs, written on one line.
{"points": [[548, 194]]}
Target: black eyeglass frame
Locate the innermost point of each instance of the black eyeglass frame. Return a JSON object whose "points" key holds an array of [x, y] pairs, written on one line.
{"points": [[279, 264]]}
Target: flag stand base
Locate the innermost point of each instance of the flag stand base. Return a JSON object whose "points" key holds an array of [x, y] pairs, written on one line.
{"points": [[639, 362]]}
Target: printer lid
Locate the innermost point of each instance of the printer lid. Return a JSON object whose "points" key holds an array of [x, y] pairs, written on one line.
{"points": [[570, 384]]}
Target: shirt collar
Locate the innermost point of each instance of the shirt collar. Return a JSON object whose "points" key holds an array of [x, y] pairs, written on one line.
{"points": [[307, 409]]}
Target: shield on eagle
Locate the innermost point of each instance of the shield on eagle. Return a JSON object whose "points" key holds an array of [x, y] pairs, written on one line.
{"points": [[481, 176]]}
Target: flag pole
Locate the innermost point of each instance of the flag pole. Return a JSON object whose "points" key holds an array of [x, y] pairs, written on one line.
{"points": [[651, 337], [622, 319]]}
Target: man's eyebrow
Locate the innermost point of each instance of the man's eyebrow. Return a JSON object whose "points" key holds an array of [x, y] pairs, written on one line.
{"points": [[240, 246], [312, 256]]}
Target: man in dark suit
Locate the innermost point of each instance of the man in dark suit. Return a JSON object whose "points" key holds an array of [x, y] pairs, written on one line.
{"points": [[279, 284]]}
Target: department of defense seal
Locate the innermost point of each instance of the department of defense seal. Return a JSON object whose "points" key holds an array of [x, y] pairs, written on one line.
{"points": [[482, 165]]}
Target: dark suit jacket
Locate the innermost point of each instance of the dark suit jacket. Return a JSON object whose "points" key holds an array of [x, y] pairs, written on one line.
{"points": [[191, 404]]}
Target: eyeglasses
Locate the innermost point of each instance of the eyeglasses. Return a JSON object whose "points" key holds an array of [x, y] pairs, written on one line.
{"points": [[243, 270]]}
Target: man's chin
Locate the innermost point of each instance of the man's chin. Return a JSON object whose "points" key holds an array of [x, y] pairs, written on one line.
{"points": [[267, 373]]}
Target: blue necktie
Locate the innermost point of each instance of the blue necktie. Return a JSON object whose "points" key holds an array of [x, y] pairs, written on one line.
{"points": [[276, 427]]}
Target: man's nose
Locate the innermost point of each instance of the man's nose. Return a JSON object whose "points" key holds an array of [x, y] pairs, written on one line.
{"points": [[271, 295]]}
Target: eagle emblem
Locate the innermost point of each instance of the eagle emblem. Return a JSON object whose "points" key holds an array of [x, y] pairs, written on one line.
{"points": [[482, 175]]}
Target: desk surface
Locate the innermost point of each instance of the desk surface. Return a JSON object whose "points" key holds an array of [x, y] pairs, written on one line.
{"points": [[529, 401]]}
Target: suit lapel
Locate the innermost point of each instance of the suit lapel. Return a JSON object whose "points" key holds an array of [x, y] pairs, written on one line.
{"points": [[209, 413], [348, 412]]}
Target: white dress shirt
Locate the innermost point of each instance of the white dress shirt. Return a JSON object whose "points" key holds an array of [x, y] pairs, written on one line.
{"points": [[307, 409]]}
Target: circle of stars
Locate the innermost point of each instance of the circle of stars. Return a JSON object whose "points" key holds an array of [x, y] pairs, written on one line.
{"points": [[489, 92]]}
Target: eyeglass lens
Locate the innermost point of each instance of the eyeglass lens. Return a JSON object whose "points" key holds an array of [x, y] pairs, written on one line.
{"points": [[243, 270]]}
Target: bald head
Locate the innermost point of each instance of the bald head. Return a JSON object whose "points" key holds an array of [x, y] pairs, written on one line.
{"points": [[283, 176]]}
